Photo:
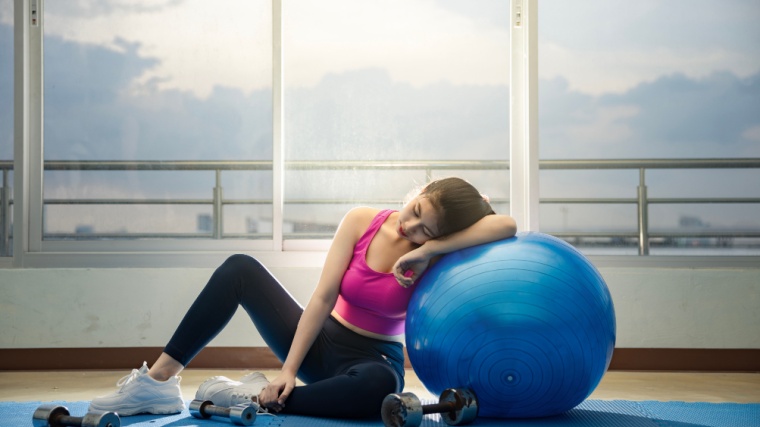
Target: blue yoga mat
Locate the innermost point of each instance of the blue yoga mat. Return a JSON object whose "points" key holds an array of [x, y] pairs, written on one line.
{"points": [[591, 413]]}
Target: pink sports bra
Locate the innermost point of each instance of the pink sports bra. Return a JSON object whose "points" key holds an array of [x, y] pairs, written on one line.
{"points": [[369, 299]]}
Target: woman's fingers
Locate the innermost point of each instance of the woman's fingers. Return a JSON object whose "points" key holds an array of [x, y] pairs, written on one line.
{"points": [[269, 397], [274, 395], [284, 395], [404, 277]]}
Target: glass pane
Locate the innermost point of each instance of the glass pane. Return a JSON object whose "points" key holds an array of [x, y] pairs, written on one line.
{"points": [[651, 80], [6, 125], [154, 110], [391, 82]]}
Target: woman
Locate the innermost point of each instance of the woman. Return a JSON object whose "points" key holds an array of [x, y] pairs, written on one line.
{"points": [[346, 345]]}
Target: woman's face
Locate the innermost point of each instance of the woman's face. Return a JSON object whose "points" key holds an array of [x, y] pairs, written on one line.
{"points": [[418, 221]]}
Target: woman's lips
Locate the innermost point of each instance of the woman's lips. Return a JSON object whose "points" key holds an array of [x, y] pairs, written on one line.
{"points": [[401, 232]]}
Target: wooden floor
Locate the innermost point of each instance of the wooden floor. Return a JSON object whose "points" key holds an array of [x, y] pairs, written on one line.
{"points": [[663, 386]]}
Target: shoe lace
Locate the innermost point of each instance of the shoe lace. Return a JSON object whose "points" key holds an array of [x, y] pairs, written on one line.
{"points": [[126, 379], [253, 401], [247, 397]]}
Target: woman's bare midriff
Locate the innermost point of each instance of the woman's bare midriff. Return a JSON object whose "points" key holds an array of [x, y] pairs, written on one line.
{"points": [[365, 333]]}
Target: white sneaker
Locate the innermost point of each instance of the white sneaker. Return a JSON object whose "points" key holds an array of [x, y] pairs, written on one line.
{"points": [[138, 393], [223, 391]]}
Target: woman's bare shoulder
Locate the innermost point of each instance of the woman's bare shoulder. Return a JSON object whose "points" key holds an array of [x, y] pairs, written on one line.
{"points": [[360, 216], [356, 221]]}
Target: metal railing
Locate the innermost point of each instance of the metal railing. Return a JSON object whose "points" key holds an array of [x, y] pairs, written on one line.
{"points": [[642, 201], [643, 234]]}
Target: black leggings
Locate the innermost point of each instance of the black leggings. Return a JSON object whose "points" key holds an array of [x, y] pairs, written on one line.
{"points": [[346, 374]]}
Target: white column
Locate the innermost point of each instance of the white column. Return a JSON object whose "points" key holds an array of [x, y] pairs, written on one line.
{"points": [[27, 105], [278, 127], [523, 114]]}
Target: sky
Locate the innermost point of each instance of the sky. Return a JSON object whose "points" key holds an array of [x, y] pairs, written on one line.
{"points": [[394, 80], [602, 46]]}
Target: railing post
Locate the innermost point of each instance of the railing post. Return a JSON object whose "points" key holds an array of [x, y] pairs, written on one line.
{"points": [[4, 211], [643, 215], [217, 214]]}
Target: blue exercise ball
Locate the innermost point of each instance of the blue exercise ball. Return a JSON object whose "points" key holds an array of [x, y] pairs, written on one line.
{"points": [[527, 323]]}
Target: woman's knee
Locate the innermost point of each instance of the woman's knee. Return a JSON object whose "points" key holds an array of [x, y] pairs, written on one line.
{"points": [[372, 383], [244, 267], [380, 380], [242, 261], [238, 273]]}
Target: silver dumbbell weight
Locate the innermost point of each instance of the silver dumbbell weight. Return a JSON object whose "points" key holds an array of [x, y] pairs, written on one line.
{"points": [[50, 415]]}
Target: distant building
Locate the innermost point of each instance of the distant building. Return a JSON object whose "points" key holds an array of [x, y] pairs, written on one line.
{"points": [[84, 229], [205, 223], [691, 222], [252, 225]]}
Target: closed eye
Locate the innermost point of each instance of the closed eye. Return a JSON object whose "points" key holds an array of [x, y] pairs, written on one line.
{"points": [[418, 213]]}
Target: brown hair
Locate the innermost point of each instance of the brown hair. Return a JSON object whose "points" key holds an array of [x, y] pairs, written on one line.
{"points": [[457, 202]]}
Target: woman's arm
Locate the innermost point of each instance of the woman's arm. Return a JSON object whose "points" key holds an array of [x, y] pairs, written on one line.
{"points": [[319, 307], [490, 228]]}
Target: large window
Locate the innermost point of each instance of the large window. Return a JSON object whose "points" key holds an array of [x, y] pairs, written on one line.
{"points": [[675, 81], [207, 127], [382, 96], [157, 120], [133, 115]]}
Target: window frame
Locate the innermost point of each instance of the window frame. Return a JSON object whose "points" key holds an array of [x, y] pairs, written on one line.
{"points": [[31, 251]]}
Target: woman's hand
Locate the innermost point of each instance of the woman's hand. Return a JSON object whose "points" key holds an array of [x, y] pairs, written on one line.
{"points": [[274, 395], [411, 265]]}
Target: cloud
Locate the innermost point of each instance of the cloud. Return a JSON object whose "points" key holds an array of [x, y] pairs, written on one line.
{"points": [[95, 108], [418, 43], [365, 114], [201, 45], [752, 134], [672, 116], [95, 8], [702, 117], [98, 106], [597, 72], [601, 46], [680, 24], [598, 46]]}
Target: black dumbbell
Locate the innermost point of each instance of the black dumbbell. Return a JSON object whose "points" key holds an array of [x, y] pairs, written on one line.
{"points": [[50, 415], [240, 415], [456, 406]]}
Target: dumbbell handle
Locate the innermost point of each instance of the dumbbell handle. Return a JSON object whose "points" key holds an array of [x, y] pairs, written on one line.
{"points": [[243, 415], [439, 408], [218, 411], [69, 421]]}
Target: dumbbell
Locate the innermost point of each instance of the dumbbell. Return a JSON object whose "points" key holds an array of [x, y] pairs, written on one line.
{"points": [[240, 415], [456, 406], [50, 415]]}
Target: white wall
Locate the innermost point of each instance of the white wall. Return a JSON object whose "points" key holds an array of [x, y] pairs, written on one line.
{"points": [[140, 307]]}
